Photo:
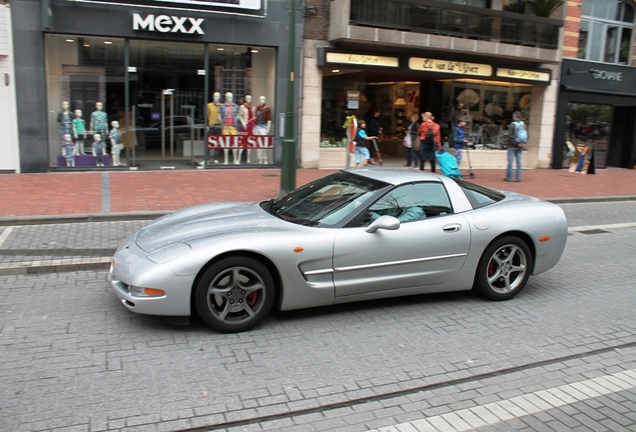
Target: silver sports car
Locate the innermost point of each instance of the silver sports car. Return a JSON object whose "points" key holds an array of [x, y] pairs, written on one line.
{"points": [[353, 235]]}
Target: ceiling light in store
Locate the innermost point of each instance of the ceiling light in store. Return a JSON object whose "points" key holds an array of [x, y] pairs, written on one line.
{"points": [[70, 40], [108, 42], [220, 49], [254, 51], [335, 70], [87, 44]]}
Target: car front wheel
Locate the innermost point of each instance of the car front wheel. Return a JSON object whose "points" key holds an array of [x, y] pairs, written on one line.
{"points": [[504, 269], [235, 294]]}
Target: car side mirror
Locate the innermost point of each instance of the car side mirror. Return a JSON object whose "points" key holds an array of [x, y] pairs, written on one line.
{"points": [[383, 222]]}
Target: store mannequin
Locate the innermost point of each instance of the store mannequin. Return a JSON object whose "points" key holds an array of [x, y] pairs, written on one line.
{"points": [[228, 116], [64, 119], [99, 120], [98, 150], [79, 132], [263, 125], [214, 123], [115, 142], [247, 119], [68, 150]]}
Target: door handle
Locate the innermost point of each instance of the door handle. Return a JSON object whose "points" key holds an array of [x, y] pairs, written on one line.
{"points": [[454, 227]]}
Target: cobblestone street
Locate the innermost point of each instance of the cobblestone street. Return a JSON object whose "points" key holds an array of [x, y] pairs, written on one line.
{"points": [[75, 359]]}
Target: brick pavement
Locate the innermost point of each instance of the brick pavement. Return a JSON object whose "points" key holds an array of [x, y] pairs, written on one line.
{"points": [[32, 195], [74, 359]]}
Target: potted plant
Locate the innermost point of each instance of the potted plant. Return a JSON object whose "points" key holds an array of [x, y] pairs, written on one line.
{"points": [[544, 8]]}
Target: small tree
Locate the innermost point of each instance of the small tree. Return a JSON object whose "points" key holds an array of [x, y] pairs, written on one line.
{"points": [[518, 7], [544, 8]]}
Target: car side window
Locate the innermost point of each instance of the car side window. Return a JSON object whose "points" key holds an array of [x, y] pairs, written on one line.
{"points": [[411, 202]]}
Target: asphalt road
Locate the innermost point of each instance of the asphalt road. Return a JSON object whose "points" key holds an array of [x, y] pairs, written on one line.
{"points": [[560, 356]]}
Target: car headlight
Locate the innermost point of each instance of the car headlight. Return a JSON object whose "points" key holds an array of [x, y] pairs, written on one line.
{"points": [[169, 253], [145, 292]]}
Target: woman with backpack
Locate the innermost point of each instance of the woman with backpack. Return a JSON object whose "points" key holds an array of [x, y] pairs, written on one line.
{"points": [[430, 140]]}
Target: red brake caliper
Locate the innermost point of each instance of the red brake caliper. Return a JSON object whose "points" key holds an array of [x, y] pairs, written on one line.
{"points": [[252, 298], [491, 268]]}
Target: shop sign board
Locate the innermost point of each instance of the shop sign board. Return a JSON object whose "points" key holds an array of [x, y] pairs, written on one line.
{"points": [[167, 24], [362, 59], [240, 141], [523, 74], [353, 99], [450, 67]]}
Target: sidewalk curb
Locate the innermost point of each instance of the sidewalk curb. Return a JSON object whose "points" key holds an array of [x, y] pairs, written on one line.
{"points": [[55, 266], [81, 217]]}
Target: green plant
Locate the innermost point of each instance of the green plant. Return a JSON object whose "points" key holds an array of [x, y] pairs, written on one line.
{"points": [[544, 8], [518, 7]]}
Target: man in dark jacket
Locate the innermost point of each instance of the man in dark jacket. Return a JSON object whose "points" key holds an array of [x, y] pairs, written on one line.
{"points": [[374, 128]]}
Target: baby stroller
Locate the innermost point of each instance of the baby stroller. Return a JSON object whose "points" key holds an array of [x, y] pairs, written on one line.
{"points": [[448, 164]]}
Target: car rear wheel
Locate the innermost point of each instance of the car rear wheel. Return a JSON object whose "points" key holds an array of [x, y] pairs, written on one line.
{"points": [[235, 294], [504, 269]]}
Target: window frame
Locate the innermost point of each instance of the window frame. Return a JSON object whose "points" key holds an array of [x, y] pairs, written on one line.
{"points": [[602, 25]]}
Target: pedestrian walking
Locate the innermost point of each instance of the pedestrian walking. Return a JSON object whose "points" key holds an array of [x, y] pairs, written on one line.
{"points": [[459, 140], [412, 157], [430, 140], [362, 153], [374, 129]]}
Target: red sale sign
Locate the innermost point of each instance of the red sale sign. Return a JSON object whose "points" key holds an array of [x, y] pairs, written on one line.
{"points": [[224, 142]]}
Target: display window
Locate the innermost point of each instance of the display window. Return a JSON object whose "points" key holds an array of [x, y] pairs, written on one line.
{"points": [[487, 109], [485, 106], [240, 123], [171, 121], [85, 83]]}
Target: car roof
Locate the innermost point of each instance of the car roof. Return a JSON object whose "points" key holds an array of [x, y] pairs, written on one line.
{"points": [[394, 175]]}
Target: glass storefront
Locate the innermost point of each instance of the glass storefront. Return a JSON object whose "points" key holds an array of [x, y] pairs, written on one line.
{"points": [[85, 92], [486, 106], [170, 115], [587, 136]]}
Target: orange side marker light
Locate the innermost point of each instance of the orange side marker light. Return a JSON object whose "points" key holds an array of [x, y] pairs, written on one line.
{"points": [[544, 239], [298, 249]]}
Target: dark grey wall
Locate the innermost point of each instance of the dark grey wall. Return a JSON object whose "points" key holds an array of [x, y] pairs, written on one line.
{"points": [[30, 84], [116, 21]]}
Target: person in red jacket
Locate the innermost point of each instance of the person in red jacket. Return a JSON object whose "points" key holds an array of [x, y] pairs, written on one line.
{"points": [[429, 142]]}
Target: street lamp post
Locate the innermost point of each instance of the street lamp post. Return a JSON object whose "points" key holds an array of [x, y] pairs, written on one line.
{"points": [[288, 167]]}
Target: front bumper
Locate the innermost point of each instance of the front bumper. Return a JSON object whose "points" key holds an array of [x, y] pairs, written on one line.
{"points": [[130, 267]]}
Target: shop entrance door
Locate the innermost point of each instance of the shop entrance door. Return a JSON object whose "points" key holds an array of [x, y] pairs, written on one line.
{"points": [[167, 98], [588, 129]]}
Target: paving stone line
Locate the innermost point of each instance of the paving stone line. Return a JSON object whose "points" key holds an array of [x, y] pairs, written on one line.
{"points": [[520, 406]]}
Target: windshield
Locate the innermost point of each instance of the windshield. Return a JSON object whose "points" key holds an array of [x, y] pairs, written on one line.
{"points": [[327, 201]]}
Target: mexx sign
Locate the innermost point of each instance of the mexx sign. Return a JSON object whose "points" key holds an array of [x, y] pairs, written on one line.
{"points": [[167, 24]]}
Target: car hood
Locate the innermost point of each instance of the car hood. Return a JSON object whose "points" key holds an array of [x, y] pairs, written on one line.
{"points": [[195, 224]]}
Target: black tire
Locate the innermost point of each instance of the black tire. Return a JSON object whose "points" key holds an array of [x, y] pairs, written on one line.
{"points": [[235, 294], [504, 269]]}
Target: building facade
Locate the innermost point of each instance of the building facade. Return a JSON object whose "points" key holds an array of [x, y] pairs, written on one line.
{"points": [[596, 108], [9, 154], [476, 60], [188, 83]]}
